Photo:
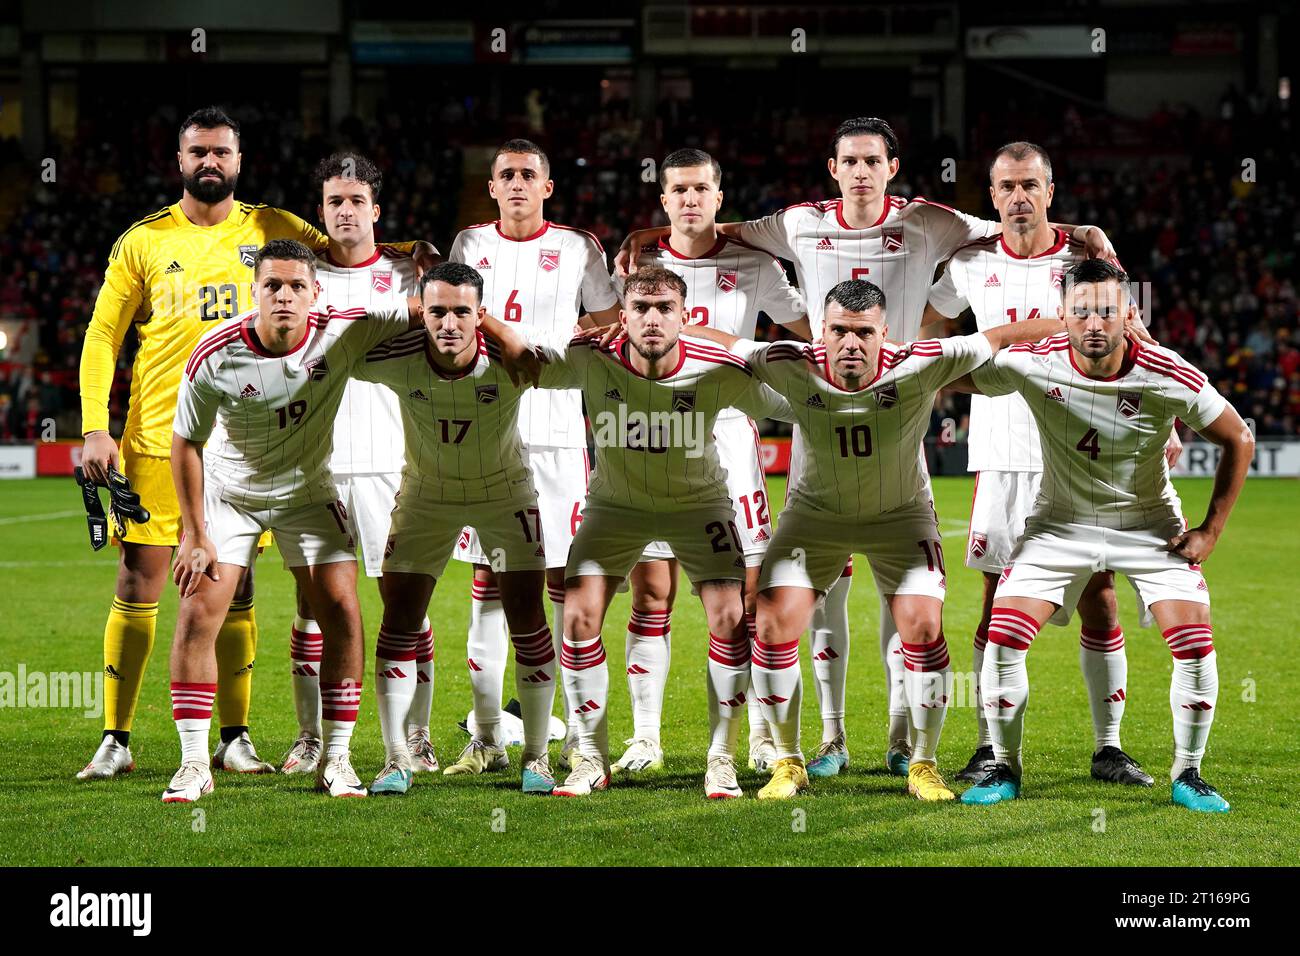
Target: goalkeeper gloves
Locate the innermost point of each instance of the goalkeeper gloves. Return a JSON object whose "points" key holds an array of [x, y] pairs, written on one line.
{"points": [[123, 504]]}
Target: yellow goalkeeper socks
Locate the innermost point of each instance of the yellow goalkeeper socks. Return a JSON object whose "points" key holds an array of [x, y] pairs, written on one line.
{"points": [[236, 650], [128, 642]]}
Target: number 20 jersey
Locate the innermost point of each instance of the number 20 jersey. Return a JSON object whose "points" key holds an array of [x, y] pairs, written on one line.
{"points": [[862, 448]]}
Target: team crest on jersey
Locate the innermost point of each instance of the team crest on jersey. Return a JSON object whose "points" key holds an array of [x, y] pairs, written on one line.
{"points": [[381, 282], [684, 402], [727, 281], [316, 369], [1058, 277], [463, 541], [887, 397], [246, 255], [979, 544], [1129, 404], [485, 394], [1005, 575], [549, 259], [893, 239]]}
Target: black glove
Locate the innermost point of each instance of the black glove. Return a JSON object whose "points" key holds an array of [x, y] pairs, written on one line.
{"points": [[123, 504], [94, 509]]}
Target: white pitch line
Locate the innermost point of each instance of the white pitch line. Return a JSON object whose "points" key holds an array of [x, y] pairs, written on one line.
{"points": [[20, 519]]}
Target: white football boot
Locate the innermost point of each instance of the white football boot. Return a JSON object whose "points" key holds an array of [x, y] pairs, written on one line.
{"points": [[239, 756], [423, 759], [110, 760], [642, 754], [762, 754], [190, 782], [589, 774], [720, 779], [304, 755], [336, 776]]}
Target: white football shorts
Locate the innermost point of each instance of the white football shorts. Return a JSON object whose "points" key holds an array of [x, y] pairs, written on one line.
{"points": [[1055, 560], [811, 548], [1003, 501], [560, 477], [424, 534], [369, 500], [705, 540]]}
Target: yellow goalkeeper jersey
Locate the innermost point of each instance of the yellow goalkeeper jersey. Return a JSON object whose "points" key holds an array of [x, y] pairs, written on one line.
{"points": [[173, 281]]}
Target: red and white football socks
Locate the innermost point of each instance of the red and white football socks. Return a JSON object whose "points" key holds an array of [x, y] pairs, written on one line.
{"points": [[648, 653], [1193, 692], [340, 703], [926, 671], [729, 666], [1006, 682], [758, 729], [829, 640], [586, 691], [556, 596], [417, 718], [486, 651], [395, 653], [977, 666], [1105, 674], [305, 645], [535, 687], [776, 683], [192, 711]]}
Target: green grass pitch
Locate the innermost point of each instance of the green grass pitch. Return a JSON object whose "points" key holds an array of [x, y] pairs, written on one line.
{"points": [[57, 594]]}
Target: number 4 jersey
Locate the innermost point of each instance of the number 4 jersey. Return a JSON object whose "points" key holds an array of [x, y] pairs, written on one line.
{"points": [[276, 411], [862, 448], [1103, 439]]}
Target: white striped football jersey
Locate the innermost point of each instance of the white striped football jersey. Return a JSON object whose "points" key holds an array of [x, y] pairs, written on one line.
{"points": [[862, 449], [727, 287], [545, 281], [368, 429], [898, 253], [1001, 287], [655, 449], [1103, 440], [276, 411], [462, 431]]}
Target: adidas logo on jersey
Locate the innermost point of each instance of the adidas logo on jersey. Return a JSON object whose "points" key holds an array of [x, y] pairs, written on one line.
{"points": [[1056, 395], [173, 268], [614, 395], [815, 401], [824, 245], [249, 391], [417, 394], [761, 535], [992, 282], [483, 264]]}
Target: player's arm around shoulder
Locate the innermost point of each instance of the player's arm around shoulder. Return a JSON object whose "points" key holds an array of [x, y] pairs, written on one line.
{"points": [[1032, 330]]}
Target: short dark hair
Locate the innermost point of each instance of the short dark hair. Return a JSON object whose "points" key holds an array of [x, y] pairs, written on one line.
{"points": [[856, 295], [1093, 272], [866, 126], [1022, 149], [654, 279], [521, 146], [349, 166], [209, 117], [282, 249], [687, 158], [453, 273]]}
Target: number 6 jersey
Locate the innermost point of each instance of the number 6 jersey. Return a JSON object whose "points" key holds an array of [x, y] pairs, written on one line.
{"points": [[276, 411], [1103, 439]]}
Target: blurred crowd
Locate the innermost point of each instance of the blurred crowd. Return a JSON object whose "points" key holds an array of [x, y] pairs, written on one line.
{"points": [[1199, 208]]}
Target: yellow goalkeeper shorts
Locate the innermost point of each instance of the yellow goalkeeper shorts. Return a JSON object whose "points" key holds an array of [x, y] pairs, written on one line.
{"points": [[151, 479]]}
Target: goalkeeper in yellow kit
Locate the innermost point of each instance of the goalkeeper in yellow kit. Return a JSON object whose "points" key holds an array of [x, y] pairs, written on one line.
{"points": [[173, 275]]}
